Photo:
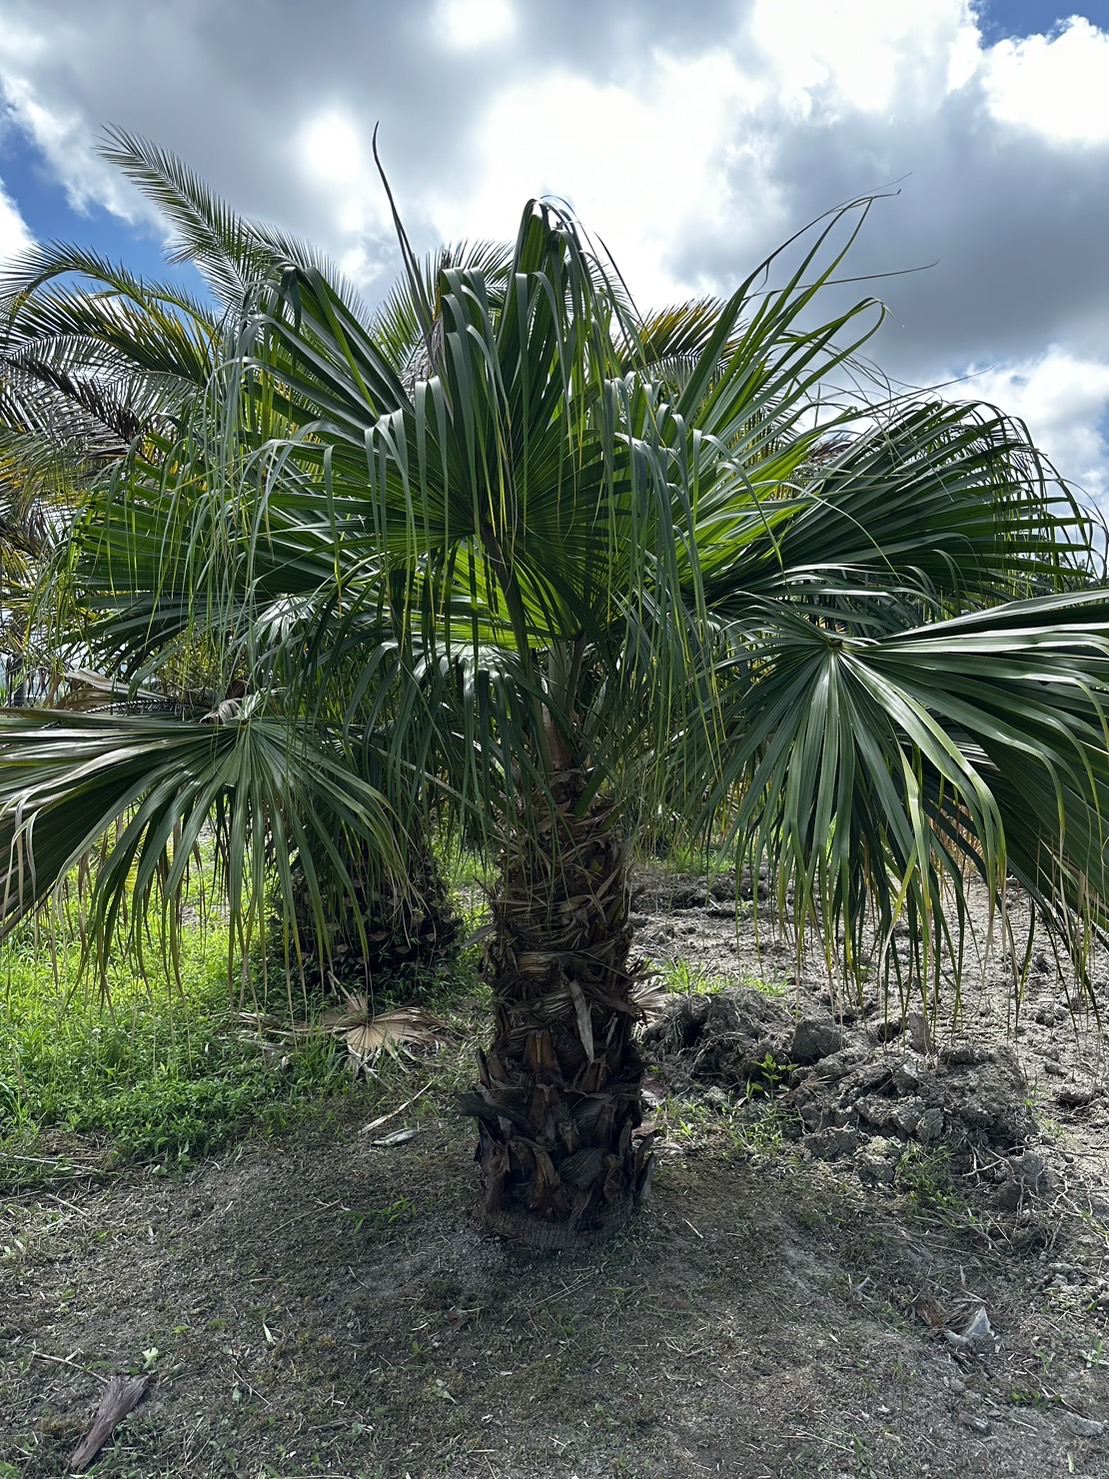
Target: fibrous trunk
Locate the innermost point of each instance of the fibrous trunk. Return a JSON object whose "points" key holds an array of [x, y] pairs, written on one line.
{"points": [[405, 928], [558, 1101]]}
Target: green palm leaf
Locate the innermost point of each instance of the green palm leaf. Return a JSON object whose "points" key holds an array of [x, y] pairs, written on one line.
{"points": [[152, 785]]}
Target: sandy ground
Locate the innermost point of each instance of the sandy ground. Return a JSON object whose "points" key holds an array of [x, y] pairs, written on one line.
{"points": [[872, 1248]]}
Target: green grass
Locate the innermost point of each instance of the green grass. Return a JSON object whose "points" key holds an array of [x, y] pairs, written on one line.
{"points": [[158, 1067], [155, 1072], [925, 1176], [681, 976], [658, 844]]}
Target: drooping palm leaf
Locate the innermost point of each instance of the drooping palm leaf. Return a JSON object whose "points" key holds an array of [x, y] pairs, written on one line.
{"points": [[232, 253], [154, 784], [535, 547], [871, 774]]}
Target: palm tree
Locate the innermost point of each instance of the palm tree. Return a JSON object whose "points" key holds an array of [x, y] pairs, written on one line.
{"points": [[540, 561], [105, 380]]}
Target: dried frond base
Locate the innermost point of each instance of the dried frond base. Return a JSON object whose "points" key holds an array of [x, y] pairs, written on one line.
{"points": [[558, 1099]]}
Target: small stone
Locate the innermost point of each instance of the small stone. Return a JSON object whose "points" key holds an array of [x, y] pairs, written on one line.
{"points": [[830, 1144], [878, 1111], [1076, 1094], [962, 1054], [906, 1078], [876, 1161], [975, 1424], [815, 1038], [918, 1032], [908, 1115], [1030, 1171], [1009, 1196], [1083, 1427]]}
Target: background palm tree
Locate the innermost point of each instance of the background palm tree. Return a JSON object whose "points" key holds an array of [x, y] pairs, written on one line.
{"points": [[109, 388], [521, 558]]}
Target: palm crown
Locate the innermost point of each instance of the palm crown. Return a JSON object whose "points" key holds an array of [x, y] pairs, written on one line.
{"points": [[515, 555]]}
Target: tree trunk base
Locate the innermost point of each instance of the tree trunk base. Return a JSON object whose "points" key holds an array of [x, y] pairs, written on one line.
{"points": [[538, 1233]]}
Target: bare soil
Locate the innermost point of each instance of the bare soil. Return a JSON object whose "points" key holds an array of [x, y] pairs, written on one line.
{"points": [[875, 1246]]}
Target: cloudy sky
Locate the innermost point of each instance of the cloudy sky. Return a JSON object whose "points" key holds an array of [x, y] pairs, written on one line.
{"points": [[691, 139]]}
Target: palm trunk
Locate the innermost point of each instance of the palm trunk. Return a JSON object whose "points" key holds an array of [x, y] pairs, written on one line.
{"points": [[404, 928], [558, 1101]]}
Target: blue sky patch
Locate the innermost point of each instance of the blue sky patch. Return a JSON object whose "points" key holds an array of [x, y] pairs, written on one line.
{"points": [[1000, 19]]}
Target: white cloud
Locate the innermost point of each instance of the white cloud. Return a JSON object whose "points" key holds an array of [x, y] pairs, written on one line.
{"points": [[1058, 86], [1063, 398], [643, 164], [63, 134], [866, 55], [331, 147], [691, 140], [14, 235], [336, 163], [469, 24]]}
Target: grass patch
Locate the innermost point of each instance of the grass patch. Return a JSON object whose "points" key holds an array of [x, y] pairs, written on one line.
{"points": [[684, 978], [925, 1177], [154, 1072], [159, 1067], [683, 858]]}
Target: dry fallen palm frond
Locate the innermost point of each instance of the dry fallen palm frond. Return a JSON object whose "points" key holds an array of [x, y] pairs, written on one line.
{"points": [[368, 1034], [119, 1397], [258, 1025]]}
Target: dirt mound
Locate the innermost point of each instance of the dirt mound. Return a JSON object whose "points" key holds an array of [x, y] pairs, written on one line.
{"points": [[735, 1041], [891, 1108]]}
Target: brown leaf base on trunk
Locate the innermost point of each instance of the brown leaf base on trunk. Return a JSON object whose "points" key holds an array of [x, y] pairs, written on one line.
{"points": [[414, 929], [558, 1101]]}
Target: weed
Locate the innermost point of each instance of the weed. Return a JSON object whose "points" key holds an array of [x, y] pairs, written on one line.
{"points": [[925, 1177], [767, 1135], [811, 1217], [772, 989], [686, 979], [770, 1078], [377, 1219], [1021, 1398]]}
